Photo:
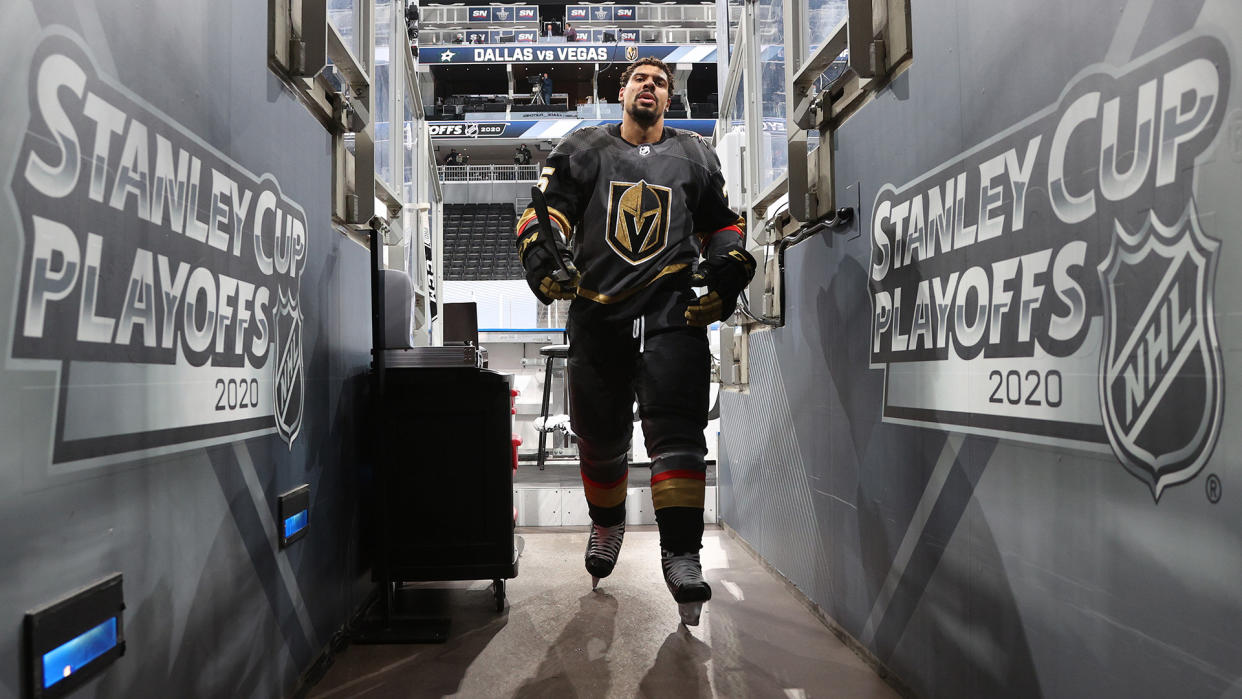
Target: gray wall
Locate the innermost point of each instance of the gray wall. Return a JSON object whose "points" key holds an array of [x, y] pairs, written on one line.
{"points": [[516, 193], [1010, 549], [121, 454]]}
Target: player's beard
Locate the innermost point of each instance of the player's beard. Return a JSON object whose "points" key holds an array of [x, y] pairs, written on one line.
{"points": [[644, 116]]}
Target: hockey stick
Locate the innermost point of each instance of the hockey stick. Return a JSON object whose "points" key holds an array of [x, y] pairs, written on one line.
{"points": [[537, 201]]}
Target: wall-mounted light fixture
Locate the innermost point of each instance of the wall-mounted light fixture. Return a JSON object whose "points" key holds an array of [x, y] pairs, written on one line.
{"points": [[73, 639], [294, 510]]}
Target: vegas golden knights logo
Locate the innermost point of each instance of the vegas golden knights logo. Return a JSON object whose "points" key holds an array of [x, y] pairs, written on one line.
{"points": [[638, 220], [631, 53]]}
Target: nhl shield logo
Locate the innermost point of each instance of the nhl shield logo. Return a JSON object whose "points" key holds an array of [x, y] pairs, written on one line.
{"points": [[1161, 384], [290, 377]]}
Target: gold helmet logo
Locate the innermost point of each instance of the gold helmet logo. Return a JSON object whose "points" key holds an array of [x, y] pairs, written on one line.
{"points": [[631, 53], [638, 219]]}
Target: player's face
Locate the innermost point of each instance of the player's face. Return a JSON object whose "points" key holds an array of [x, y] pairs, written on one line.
{"points": [[645, 95]]}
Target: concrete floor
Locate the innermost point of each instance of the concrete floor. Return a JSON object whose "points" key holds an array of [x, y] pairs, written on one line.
{"points": [[558, 638]]}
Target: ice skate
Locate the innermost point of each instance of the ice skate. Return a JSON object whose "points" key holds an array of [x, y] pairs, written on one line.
{"points": [[684, 576], [602, 548]]}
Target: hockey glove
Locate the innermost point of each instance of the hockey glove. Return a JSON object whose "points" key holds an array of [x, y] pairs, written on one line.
{"points": [[724, 275], [542, 269]]}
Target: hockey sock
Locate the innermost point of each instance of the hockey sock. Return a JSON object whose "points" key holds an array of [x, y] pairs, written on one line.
{"points": [[605, 481], [678, 484]]}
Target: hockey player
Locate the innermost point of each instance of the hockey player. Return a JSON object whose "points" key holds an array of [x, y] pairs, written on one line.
{"points": [[639, 203]]}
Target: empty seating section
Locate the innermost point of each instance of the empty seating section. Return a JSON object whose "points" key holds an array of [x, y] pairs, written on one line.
{"points": [[464, 107], [458, 106], [478, 242]]}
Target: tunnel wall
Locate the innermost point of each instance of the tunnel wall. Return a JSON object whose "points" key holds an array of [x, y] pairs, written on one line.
{"points": [[1074, 534], [168, 374]]}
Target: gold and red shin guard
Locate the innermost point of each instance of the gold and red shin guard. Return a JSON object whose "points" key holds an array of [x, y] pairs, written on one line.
{"points": [[678, 485]]}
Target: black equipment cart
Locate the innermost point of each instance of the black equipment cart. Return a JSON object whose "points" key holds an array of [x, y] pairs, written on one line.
{"points": [[447, 492], [443, 479]]}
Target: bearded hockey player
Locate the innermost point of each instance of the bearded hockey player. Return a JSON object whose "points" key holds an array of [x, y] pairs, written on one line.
{"points": [[633, 207]]}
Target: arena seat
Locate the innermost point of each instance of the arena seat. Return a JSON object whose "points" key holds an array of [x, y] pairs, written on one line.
{"points": [[478, 242]]}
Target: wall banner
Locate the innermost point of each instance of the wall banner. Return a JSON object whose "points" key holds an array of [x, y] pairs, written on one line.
{"points": [[564, 53], [159, 277], [543, 129], [1054, 284], [470, 129]]}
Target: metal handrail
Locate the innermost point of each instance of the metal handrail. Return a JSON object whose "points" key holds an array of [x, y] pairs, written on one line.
{"points": [[488, 173]]}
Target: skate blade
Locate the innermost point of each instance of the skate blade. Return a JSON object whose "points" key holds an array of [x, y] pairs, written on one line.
{"points": [[690, 612]]}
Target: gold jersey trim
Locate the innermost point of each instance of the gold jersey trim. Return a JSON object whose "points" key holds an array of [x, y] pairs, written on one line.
{"points": [[614, 298]]}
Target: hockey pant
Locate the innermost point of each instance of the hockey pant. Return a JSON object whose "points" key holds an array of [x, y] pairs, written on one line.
{"points": [[666, 366]]}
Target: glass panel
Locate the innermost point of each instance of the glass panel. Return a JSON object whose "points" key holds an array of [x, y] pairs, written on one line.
{"points": [[408, 150], [737, 117], [823, 18], [343, 14], [383, 91], [770, 25], [735, 25]]}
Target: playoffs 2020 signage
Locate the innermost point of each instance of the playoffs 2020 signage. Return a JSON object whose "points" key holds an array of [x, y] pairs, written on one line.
{"points": [[160, 276], [1054, 284]]}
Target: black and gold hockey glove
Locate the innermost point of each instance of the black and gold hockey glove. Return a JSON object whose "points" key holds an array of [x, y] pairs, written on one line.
{"points": [[724, 275], [543, 274]]}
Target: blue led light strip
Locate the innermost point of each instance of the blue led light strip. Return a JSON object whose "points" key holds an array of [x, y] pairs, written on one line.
{"points": [[295, 524], [68, 658]]}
